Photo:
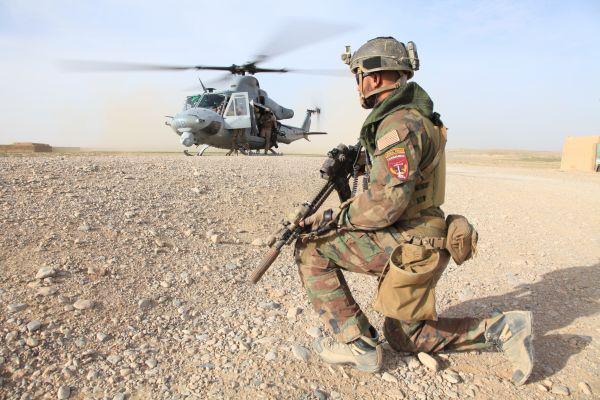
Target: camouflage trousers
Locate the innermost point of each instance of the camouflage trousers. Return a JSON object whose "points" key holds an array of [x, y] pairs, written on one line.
{"points": [[238, 137], [320, 264]]}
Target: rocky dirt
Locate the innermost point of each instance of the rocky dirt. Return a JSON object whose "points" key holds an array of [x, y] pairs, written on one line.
{"points": [[126, 277]]}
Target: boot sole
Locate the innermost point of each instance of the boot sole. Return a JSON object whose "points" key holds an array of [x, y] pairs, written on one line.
{"points": [[521, 379]]}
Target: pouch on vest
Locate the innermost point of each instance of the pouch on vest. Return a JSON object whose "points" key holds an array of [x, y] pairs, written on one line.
{"points": [[461, 240], [407, 290]]}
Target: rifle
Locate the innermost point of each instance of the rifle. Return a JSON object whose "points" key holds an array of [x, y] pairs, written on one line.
{"points": [[341, 163]]}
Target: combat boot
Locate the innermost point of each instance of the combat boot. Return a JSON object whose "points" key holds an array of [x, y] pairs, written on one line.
{"points": [[512, 334], [364, 353]]}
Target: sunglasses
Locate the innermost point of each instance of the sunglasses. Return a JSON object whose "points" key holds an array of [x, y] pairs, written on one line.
{"points": [[364, 75]]}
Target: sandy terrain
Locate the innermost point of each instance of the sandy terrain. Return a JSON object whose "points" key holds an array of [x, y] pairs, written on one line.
{"points": [[126, 277]]}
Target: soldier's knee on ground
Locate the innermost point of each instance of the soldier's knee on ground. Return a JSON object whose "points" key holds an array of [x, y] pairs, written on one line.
{"points": [[397, 334]]}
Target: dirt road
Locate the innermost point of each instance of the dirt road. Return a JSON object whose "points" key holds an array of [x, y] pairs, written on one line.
{"points": [[126, 277]]}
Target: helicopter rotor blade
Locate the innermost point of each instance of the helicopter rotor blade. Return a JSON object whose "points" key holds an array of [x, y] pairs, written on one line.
{"points": [[108, 66], [295, 33], [220, 80], [325, 72]]}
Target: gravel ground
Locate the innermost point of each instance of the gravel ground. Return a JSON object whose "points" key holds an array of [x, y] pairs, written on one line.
{"points": [[125, 276]]}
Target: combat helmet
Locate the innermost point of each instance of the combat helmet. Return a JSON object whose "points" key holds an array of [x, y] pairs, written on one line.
{"points": [[382, 54]]}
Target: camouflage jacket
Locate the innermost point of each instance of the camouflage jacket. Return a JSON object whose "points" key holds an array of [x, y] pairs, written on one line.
{"points": [[398, 144]]}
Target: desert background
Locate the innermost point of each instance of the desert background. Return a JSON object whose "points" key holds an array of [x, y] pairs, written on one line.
{"points": [[126, 276], [124, 264]]}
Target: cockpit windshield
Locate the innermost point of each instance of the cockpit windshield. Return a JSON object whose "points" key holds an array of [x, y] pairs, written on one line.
{"points": [[211, 100], [208, 100], [191, 101]]}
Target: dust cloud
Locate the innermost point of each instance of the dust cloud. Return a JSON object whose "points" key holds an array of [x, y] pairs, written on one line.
{"points": [[136, 121], [341, 117]]}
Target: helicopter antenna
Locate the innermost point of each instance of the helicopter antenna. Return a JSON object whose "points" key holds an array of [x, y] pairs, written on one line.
{"points": [[202, 84], [206, 90]]}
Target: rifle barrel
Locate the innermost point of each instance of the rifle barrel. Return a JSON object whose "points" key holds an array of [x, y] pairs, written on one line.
{"points": [[264, 265]]}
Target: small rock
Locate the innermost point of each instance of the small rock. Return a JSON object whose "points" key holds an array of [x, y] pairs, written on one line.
{"points": [[585, 388], [270, 305], [113, 359], [47, 291], [314, 332], [301, 353], [84, 228], [320, 394], [34, 325], [389, 377], [429, 361], [97, 270], [271, 356], [102, 337], [16, 307], [45, 272], [560, 389], [145, 303], [31, 342], [64, 392], [215, 239], [548, 383], [83, 304], [258, 242], [293, 312], [451, 376], [413, 363], [151, 363], [541, 387], [119, 396], [125, 372], [231, 266], [92, 374]]}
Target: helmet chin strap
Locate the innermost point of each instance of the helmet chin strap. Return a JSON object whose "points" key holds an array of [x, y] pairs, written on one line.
{"points": [[368, 100]]}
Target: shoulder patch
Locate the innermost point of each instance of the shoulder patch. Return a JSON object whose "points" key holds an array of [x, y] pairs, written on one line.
{"points": [[397, 162], [388, 139]]}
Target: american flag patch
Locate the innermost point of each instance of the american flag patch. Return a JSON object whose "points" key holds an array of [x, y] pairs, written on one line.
{"points": [[388, 139]]}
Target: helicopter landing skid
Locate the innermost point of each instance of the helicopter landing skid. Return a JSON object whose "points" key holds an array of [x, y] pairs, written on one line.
{"points": [[199, 152]]}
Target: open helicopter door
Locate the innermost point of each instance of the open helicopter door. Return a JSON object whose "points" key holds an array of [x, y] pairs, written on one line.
{"points": [[237, 113]]}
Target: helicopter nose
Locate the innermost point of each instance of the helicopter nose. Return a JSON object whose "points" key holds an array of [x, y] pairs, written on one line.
{"points": [[186, 123]]}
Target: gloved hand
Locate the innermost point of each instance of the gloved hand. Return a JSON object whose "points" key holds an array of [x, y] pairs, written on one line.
{"points": [[327, 218]]}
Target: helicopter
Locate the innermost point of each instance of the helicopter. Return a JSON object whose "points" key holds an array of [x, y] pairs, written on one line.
{"points": [[208, 119]]}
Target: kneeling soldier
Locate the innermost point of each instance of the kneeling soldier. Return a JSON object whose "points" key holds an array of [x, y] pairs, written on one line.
{"points": [[399, 215]]}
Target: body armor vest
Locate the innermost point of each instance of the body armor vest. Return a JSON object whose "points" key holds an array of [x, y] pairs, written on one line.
{"points": [[430, 186]]}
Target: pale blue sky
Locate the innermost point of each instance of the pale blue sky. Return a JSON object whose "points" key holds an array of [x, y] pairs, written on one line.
{"points": [[503, 74]]}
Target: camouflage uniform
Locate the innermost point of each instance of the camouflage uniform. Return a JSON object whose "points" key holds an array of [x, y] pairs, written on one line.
{"points": [[375, 222], [238, 136], [267, 123]]}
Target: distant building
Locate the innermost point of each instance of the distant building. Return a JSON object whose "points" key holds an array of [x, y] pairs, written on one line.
{"points": [[581, 153], [26, 147]]}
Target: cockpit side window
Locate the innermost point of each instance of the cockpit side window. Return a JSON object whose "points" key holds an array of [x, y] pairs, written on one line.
{"points": [[238, 106]]}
